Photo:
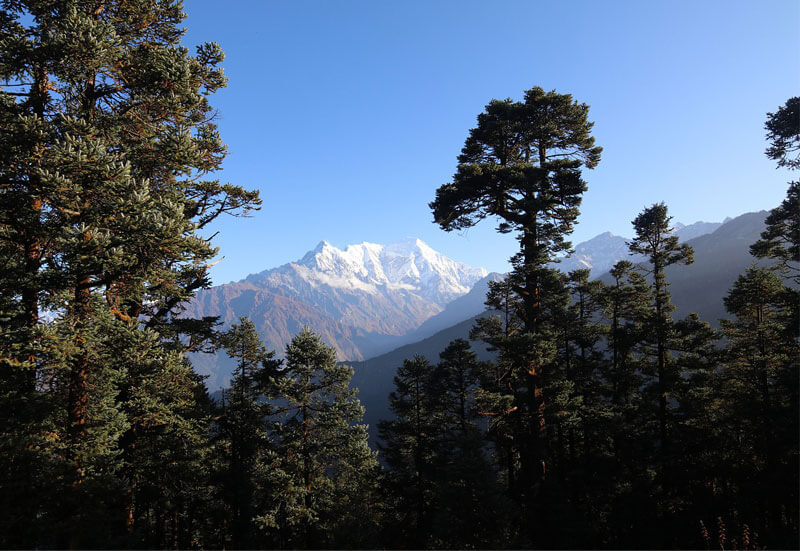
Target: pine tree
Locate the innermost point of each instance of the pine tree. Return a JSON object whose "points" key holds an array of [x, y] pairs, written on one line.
{"points": [[407, 446], [471, 510], [522, 164], [783, 134], [165, 451], [626, 303], [590, 420], [761, 403], [244, 431], [781, 238], [324, 494], [585, 333], [698, 463], [103, 186], [655, 241], [495, 396], [503, 389]]}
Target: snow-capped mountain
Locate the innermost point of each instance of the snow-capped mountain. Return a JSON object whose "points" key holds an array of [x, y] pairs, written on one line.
{"points": [[409, 265], [697, 229], [368, 299], [362, 299], [600, 253]]}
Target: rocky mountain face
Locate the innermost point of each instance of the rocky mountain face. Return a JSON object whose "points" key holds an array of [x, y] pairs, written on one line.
{"points": [[363, 300]]}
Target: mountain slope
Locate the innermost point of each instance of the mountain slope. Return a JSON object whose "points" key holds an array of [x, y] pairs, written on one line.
{"points": [[374, 378], [700, 287], [460, 309], [697, 229], [719, 258]]}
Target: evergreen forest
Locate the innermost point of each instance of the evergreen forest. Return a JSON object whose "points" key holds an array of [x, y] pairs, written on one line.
{"points": [[602, 422]]}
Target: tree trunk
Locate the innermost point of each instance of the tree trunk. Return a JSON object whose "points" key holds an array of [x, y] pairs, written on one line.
{"points": [[533, 451], [77, 406], [32, 247], [661, 337]]}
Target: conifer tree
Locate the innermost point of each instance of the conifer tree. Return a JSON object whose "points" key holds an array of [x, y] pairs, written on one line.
{"points": [[165, 452], [625, 305], [522, 164], [324, 494], [502, 390], [495, 396], [761, 403], [244, 436], [584, 368], [588, 412], [103, 186], [699, 458], [626, 302], [780, 240], [655, 241], [471, 510], [783, 134], [408, 446]]}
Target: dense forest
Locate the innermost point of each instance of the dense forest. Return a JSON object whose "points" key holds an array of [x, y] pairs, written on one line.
{"points": [[602, 422]]}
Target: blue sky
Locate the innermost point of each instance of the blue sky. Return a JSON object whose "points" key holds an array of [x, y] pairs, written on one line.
{"points": [[348, 115]]}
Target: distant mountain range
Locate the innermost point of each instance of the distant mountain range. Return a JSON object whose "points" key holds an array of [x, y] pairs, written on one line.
{"points": [[369, 299]]}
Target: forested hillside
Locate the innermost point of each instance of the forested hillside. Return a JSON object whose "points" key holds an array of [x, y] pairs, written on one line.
{"points": [[698, 288], [601, 418]]}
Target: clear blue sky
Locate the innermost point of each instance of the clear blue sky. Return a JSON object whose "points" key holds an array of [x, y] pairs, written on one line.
{"points": [[348, 115]]}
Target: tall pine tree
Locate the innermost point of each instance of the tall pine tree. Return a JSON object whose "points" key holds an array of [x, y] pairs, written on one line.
{"points": [[522, 163], [325, 492], [244, 432], [103, 185], [655, 240]]}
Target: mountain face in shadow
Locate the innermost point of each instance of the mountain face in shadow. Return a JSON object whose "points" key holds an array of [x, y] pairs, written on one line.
{"points": [[720, 257]]}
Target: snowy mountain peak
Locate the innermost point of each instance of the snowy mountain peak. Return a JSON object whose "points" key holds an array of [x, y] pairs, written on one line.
{"points": [[408, 244], [605, 236], [410, 265], [598, 254], [601, 252], [690, 231]]}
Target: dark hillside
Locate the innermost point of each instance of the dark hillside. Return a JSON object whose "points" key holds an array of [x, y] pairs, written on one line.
{"points": [[699, 287]]}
